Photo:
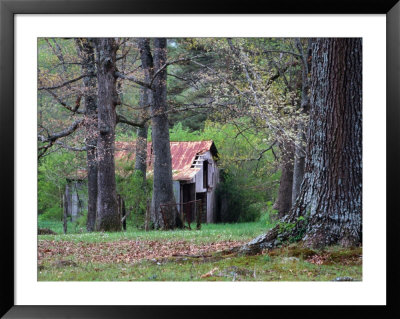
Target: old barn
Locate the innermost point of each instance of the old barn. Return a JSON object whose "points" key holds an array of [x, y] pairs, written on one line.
{"points": [[194, 172]]}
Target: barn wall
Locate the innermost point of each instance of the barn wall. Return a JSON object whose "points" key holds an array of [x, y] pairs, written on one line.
{"points": [[199, 181], [213, 179], [68, 199], [212, 174], [177, 192]]}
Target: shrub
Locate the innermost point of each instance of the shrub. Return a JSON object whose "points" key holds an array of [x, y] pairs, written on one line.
{"points": [[136, 193], [52, 213], [235, 202], [268, 215]]}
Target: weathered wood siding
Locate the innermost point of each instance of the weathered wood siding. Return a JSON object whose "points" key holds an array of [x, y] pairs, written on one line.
{"points": [[177, 193], [213, 179]]}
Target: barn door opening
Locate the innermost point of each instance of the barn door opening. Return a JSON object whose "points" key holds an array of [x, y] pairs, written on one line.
{"points": [[188, 196], [203, 212], [205, 174]]}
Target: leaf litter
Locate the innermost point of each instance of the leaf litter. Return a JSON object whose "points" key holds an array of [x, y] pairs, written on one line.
{"points": [[126, 251]]}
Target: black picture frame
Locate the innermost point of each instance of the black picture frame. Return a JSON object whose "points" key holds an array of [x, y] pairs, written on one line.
{"points": [[8, 8]]}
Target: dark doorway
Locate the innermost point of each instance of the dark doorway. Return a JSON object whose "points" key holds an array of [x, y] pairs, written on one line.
{"points": [[188, 195], [205, 174], [203, 207]]}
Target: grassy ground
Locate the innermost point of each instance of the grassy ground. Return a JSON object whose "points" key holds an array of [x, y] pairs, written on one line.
{"points": [[208, 232], [185, 255]]}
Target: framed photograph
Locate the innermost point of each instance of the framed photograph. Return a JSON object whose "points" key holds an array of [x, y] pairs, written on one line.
{"points": [[26, 54]]}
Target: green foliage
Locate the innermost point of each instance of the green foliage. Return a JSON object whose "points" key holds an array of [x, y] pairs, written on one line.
{"points": [[179, 133], [136, 192], [285, 227], [301, 229], [268, 215], [296, 229], [238, 201], [53, 171], [80, 223], [51, 213]]}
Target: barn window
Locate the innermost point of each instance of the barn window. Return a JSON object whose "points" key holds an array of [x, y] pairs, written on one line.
{"points": [[205, 174]]}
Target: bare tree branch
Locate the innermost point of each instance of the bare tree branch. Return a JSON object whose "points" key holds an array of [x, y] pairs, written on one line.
{"points": [[68, 131], [65, 83], [133, 79], [72, 148], [169, 63], [74, 109], [123, 119]]}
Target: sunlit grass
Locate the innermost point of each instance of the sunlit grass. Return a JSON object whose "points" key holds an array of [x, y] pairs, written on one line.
{"points": [[208, 233]]}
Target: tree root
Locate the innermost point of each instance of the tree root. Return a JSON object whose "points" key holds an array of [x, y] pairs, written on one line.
{"points": [[257, 245]]}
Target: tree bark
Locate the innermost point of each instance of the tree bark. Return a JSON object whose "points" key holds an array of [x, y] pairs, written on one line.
{"points": [[86, 52], [330, 198], [163, 194], [300, 154], [333, 179], [141, 150], [108, 218], [299, 163], [284, 201], [145, 102]]}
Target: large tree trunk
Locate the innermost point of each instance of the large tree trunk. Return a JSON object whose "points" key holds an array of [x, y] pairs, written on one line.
{"points": [[163, 195], [330, 197], [145, 102], [333, 179], [86, 52], [284, 200], [108, 218]]}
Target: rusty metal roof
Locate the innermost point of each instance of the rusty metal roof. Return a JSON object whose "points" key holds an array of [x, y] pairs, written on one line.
{"points": [[182, 156]]}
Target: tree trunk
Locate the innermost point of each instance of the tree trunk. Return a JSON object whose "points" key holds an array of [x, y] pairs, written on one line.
{"points": [[86, 52], [145, 102], [330, 197], [284, 201], [107, 99], [333, 180], [162, 185], [141, 151], [299, 163], [300, 154]]}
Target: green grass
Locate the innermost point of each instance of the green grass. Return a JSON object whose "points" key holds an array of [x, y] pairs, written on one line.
{"points": [[208, 232], [254, 268], [57, 226], [289, 263]]}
